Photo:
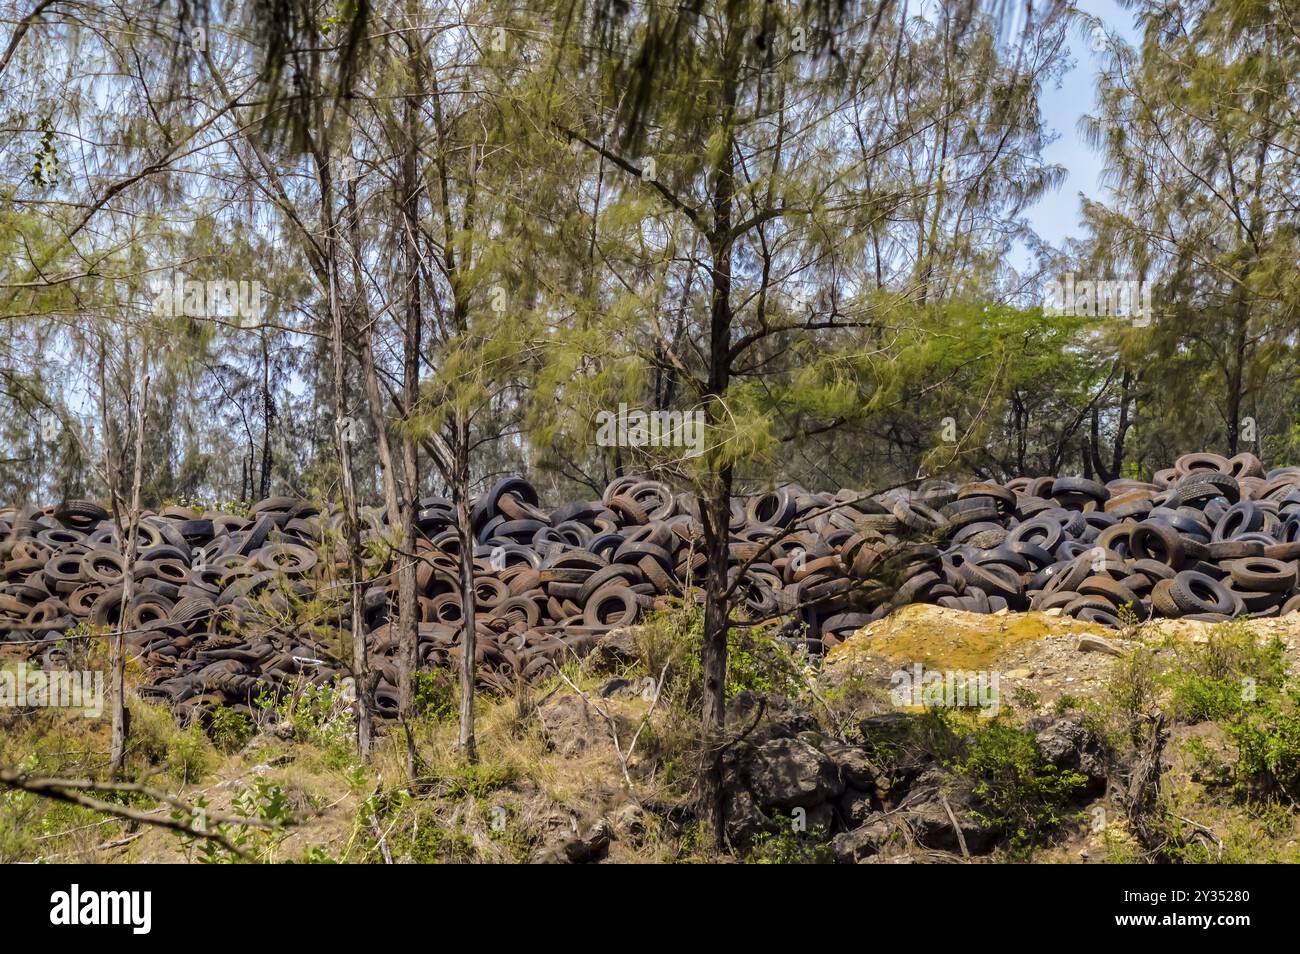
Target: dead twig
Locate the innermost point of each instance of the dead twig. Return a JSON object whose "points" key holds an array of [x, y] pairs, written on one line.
{"points": [[952, 819], [193, 822]]}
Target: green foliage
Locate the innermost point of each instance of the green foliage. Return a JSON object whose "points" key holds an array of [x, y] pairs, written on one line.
{"points": [[188, 755], [45, 160], [1131, 687], [230, 730], [1267, 739], [262, 801], [757, 660], [1008, 377], [316, 855], [319, 715], [1226, 676], [437, 694], [1066, 703], [785, 846], [1020, 793], [477, 780], [411, 829], [1221, 346], [432, 842]]}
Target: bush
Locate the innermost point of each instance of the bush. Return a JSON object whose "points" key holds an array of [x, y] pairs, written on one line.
{"points": [[757, 660], [230, 730], [1132, 685], [789, 847], [1267, 739], [1019, 792], [320, 716], [437, 694], [187, 755], [1226, 676]]}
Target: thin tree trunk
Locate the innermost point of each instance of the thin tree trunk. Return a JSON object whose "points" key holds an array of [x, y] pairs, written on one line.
{"points": [[127, 536], [1125, 421], [460, 501], [342, 438], [408, 608], [1235, 379], [264, 487], [716, 508], [453, 461]]}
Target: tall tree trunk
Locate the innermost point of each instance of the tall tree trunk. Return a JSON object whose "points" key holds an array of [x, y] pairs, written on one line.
{"points": [[454, 454], [264, 486], [343, 426], [716, 509], [408, 608], [468, 642], [127, 538], [1125, 422], [1236, 376]]}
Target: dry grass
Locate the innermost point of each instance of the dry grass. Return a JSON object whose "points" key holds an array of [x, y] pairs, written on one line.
{"points": [[522, 794]]}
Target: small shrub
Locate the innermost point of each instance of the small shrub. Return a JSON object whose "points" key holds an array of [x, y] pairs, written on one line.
{"points": [[1066, 703], [437, 694], [1130, 623], [264, 801], [1132, 687], [1020, 793], [478, 779], [153, 731], [789, 847], [320, 716], [316, 855], [1267, 739], [757, 660], [230, 730], [187, 755], [1226, 676]]}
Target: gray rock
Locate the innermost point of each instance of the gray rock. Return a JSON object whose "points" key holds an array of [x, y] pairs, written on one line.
{"points": [[818, 818], [744, 818], [856, 806], [591, 845], [790, 773], [875, 835], [856, 767], [1098, 644], [614, 650], [928, 819], [781, 718], [570, 725], [933, 828], [1070, 745], [630, 820], [614, 687]]}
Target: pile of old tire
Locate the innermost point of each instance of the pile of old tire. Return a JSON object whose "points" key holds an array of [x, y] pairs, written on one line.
{"points": [[1210, 538], [228, 607]]}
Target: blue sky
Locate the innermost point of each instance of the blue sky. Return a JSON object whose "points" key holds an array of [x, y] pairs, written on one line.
{"points": [[1056, 216]]}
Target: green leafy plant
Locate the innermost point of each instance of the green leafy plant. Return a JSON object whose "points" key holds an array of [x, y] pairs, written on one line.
{"points": [[437, 694], [1019, 792], [1226, 676], [786, 846], [230, 730]]}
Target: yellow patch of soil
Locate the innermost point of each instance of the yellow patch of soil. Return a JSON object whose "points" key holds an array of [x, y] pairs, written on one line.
{"points": [[954, 639]]}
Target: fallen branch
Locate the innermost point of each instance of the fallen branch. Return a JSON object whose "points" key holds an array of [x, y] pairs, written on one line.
{"points": [[69, 791]]}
